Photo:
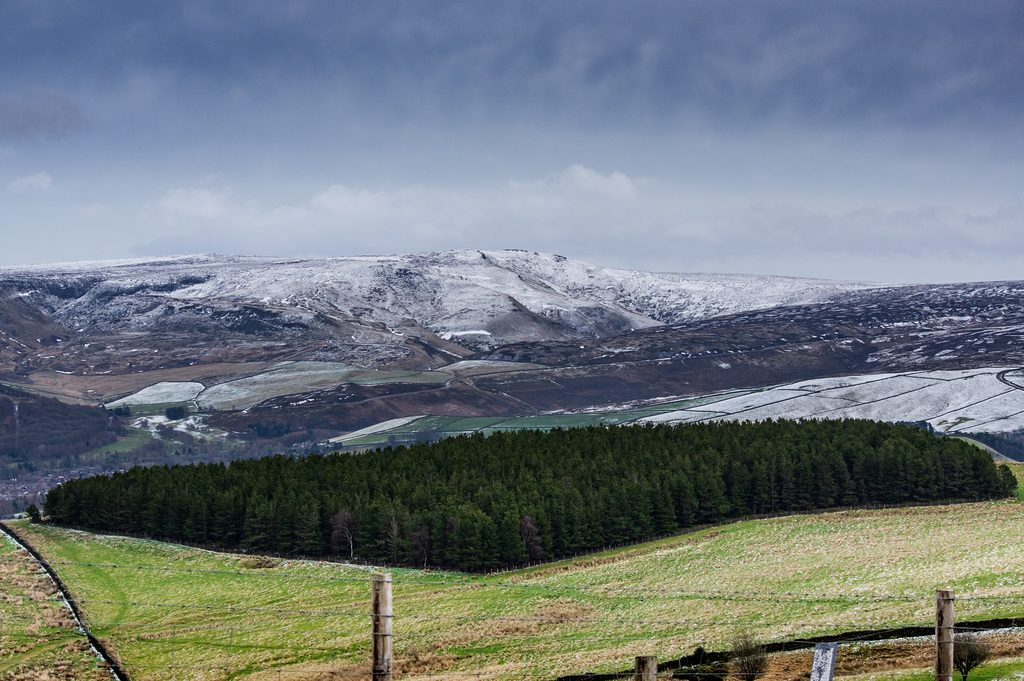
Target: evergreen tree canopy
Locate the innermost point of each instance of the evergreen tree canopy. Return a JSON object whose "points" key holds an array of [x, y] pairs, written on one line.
{"points": [[478, 503]]}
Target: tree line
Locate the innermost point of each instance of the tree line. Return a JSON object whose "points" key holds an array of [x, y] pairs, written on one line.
{"points": [[477, 503], [36, 431]]}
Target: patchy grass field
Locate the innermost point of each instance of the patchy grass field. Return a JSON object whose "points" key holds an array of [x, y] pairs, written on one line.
{"points": [[135, 439], [37, 638], [178, 613], [106, 387], [288, 378], [435, 427]]}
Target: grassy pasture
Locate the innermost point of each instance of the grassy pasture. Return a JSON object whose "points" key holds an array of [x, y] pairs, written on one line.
{"points": [[36, 630], [289, 378], [782, 578], [135, 439]]}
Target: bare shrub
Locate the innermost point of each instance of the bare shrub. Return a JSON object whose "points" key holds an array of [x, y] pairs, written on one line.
{"points": [[420, 662], [749, 659], [969, 652]]}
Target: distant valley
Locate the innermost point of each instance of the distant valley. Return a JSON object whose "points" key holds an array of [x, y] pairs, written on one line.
{"points": [[215, 356]]}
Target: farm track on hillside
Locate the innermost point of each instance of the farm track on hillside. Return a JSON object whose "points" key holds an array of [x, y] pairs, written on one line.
{"points": [[1001, 376]]}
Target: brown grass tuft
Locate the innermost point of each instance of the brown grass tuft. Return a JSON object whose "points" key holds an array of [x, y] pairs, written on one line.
{"points": [[260, 563], [559, 610], [417, 662]]}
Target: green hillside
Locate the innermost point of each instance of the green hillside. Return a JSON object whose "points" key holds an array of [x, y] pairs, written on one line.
{"points": [[179, 613]]}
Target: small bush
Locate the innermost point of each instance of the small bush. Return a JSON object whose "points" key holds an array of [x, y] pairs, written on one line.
{"points": [[176, 413]]}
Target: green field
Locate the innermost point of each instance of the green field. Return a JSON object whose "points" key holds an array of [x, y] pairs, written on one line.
{"points": [[36, 630], [177, 613], [135, 439]]}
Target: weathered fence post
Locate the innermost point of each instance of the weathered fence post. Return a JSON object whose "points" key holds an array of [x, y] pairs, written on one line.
{"points": [[943, 635], [824, 665], [382, 617], [646, 668]]}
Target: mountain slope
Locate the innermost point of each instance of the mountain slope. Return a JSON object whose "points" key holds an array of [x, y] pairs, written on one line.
{"points": [[290, 350], [409, 311]]}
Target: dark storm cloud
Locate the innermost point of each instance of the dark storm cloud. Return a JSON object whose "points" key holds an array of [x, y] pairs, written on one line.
{"points": [[589, 62], [39, 114]]}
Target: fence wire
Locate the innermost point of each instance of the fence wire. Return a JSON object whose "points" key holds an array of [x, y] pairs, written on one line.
{"points": [[569, 629], [656, 592]]}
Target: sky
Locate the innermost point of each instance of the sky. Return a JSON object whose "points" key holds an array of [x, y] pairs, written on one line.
{"points": [[868, 140]]}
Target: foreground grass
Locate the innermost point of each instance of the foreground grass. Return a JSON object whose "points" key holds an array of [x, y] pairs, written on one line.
{"points": [[36, 629], [996, 670], [782, 578]]}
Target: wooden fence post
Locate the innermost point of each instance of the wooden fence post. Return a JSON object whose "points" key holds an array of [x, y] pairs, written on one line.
{"points": [[382, 616], [646, 668], [943, 635]]}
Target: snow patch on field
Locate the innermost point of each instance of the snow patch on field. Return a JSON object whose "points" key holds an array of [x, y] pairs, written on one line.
{"points": [[378, 428], [164, 392], [284, 379], [966, 401], [289, 378], [192, 425], [475, 365], [448, 335]]}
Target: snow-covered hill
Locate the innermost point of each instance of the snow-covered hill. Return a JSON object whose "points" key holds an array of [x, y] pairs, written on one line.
{"points": [[273, 348], [473, 299], [966, 401]]}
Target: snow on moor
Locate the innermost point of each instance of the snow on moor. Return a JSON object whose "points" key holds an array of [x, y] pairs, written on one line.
{"points": [[164, 392], [459, 295], [289, 378], [964, 401], [480, 295]]}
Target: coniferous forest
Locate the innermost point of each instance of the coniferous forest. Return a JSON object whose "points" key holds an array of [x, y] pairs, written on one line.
{"points": [[477, 503]]}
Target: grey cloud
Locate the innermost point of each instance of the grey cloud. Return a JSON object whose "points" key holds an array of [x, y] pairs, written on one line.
{"points": [[593, 62], [39, 114], [610, 219]]}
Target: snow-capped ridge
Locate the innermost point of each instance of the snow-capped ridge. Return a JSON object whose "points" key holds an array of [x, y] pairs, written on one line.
{"points": [[476, 299]]}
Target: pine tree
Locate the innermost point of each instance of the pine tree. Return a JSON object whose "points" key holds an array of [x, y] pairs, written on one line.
{"points": [[308, 534]]}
